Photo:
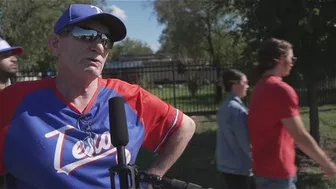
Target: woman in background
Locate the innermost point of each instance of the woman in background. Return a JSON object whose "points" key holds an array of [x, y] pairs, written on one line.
{"points": [[233, 153]]}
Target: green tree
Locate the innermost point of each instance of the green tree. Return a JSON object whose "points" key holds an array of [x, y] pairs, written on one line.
{"points": [[29, 23], [130, 47], [201, 31]]}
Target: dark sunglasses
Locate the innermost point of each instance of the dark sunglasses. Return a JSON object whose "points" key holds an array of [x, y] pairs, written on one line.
{"points": [[90, 35]]}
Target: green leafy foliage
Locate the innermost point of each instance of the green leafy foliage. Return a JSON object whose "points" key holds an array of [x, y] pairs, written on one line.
{"points": [[28, 23], [199, 30], [308, 24], [131, 47]]}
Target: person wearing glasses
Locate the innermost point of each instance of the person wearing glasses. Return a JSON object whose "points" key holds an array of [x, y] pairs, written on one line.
{"points": [[275, 124], [54, 132], [233, 153], [8, 62]]}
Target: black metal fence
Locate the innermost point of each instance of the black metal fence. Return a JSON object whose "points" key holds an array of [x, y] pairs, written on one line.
{"points": [[190, 88]]}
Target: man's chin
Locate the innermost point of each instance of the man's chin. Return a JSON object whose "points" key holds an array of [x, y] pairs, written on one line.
{"points": [[10, 73], [286, 74], [92, 73]]}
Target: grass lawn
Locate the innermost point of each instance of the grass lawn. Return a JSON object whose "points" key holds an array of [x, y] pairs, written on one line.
{"points": [[197, 164], [203, 101]]}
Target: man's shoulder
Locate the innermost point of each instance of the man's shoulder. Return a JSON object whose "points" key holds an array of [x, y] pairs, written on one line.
{"points": [[275, 86], [11, 97], [283, 88], [25, 87], [276, 92], [125, 89], [119, 85]]}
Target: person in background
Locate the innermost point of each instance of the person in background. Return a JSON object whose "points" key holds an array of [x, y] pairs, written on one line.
{"points": [[7, 69], [8, 62], [275, 123], [233, 154]]}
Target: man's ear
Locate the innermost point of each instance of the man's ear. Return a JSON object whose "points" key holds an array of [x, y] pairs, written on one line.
{"points": [[278, 60], [53, 43]]}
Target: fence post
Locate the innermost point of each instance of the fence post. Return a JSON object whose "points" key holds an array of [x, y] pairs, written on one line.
{"points": [[174, 85]]}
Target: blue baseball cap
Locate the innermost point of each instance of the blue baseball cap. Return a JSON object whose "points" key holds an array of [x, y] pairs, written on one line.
{"points": [[6, 48], [76, 13]]}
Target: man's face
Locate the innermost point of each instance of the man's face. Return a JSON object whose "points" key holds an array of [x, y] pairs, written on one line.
{"points": [[80, 57], [8, 64], [288, 63]]}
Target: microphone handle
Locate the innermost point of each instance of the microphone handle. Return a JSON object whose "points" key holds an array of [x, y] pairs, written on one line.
{"points": [[123, 175], [121, 155]]}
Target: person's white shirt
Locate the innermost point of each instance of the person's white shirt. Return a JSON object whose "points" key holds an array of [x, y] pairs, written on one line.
{"points": [[8, 83]]}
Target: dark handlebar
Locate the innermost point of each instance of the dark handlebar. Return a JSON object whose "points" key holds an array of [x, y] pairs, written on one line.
{"points": [[136, 179], [165, 183]]}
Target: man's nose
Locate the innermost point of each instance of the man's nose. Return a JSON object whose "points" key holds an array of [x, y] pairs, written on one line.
{"points": [[97, 46]]}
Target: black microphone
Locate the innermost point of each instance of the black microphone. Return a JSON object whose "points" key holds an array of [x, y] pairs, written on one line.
{"points": [[119, 139], [118, 127], [128, 173]]}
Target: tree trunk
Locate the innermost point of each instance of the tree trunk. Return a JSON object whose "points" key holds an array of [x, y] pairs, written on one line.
{"points": [[313, 110], [215, 60]]}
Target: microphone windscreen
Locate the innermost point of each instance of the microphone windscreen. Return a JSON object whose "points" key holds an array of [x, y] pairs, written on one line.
{"points": [[118, 124]]}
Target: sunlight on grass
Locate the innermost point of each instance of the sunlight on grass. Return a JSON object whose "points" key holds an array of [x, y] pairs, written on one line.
{"points": [[182, 99]]}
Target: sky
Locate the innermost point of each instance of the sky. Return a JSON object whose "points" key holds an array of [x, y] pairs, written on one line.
{"points": [[140, 20]]}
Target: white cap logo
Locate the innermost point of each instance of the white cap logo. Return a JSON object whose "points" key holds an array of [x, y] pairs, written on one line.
{"points": [[3, 44], [97, 9]]}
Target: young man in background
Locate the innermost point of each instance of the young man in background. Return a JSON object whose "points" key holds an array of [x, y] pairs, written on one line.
{"points": [[275, 123], [8, 62]]}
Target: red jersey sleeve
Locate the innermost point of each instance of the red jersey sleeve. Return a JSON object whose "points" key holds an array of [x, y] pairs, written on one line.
{"points": [[160, 120], [8, 104], [10, 98], [288, 102], [2, 133]]}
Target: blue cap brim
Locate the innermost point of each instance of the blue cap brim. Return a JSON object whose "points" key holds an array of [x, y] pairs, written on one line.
{"points": [[13, 50], [115, 26]]}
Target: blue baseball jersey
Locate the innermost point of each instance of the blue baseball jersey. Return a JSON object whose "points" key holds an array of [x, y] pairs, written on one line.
{"points": [[45, 142]]}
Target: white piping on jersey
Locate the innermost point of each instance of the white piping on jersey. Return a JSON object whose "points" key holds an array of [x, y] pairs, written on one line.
{"points": [[170, 128]]}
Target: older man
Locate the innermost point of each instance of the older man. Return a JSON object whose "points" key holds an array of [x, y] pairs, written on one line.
{"points": [[54, 132], [7, 62]]}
